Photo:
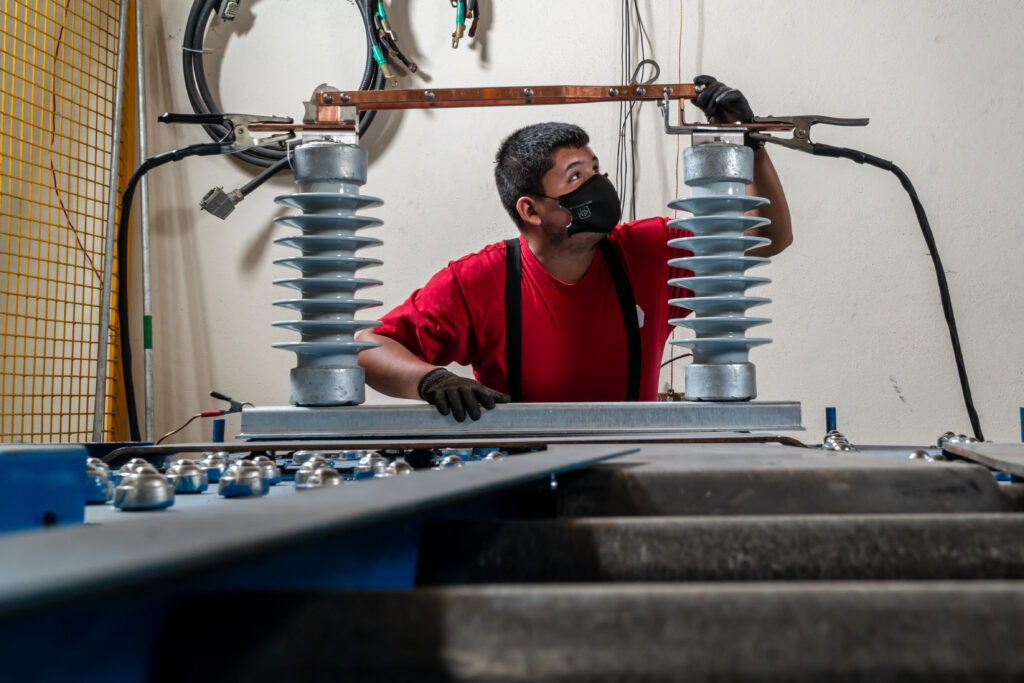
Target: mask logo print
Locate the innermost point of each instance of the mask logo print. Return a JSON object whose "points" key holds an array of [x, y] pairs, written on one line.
{"points": [[593, 206]]}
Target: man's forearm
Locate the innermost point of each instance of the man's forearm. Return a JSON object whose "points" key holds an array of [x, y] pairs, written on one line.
{"points": [[391, 368], [767, 184]]}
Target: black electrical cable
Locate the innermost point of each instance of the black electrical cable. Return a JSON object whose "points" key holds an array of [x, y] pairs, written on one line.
{"points": [[940, 274], [263, 177], [204, 102], [124, 223], [675, 358]]}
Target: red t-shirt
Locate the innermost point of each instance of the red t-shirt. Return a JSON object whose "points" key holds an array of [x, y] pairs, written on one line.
{"points": [[574, 342]]}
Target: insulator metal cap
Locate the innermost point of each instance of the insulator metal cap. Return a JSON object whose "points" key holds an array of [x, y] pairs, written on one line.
{"points": [[718, 162]]}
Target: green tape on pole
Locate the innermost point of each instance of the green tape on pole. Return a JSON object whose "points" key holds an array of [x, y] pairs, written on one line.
{"points": [[147, 331]]}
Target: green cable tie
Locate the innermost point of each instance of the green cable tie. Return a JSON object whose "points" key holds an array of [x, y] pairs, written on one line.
{"points": [[378, 56], [147, 332]]}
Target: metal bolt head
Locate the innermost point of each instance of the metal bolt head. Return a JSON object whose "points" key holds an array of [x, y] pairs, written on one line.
{"points": [[919, 455], [495, 456], [376, 462], [268, 468], [429, 94], [187, 477], [527, 92], [96, 462], [308, 469], [450, 461], [324, 477], [143, 490], [299, 457], [214, 464], [641, 91], [328, 98], [945, 438], [613, 92], [399, 468], [243, 479], [98, 488], [938, 457], [131, 467]]}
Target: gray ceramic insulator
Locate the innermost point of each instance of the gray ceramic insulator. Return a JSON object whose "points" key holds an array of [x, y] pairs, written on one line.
{"points": [[718, 174], [329, 176]]}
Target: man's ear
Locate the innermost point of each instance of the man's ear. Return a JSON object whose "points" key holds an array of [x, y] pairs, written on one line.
{"points": [[527, 209]]}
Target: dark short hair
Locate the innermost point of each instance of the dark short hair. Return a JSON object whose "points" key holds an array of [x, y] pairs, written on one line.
{"points": [[525, 156]]}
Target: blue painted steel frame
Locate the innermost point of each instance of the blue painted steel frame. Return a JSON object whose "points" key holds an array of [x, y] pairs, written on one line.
{"points": [[41, 486], [109, 633]]}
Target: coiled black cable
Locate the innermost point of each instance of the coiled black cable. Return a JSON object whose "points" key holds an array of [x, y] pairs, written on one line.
{"points": [[204, 102]]}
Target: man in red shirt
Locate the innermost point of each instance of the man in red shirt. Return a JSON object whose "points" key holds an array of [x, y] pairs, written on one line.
{"points": [[576, 308]]}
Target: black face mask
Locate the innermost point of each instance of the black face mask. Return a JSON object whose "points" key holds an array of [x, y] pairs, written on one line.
{"points": [[594, 206]]}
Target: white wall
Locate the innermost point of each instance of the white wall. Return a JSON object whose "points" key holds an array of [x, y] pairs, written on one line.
{"points": [[857, 322]]}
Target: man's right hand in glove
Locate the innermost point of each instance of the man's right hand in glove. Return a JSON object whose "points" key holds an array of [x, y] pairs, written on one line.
{"points": [[460, 396]]}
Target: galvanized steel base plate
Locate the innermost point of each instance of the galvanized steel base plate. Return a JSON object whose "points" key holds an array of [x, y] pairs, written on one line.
{"points": [[520, 419]]}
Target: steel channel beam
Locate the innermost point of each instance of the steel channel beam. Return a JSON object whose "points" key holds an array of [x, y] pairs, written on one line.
{"points": [[833, 631], [520, 419], [72, 562], [775, 548]]}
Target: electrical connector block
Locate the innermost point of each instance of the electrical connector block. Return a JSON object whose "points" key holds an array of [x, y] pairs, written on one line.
{"points": [[220, 203], [228, 10]]}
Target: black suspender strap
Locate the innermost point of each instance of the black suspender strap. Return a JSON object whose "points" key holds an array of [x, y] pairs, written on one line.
{"points": [[514, 318], [629, 317]]}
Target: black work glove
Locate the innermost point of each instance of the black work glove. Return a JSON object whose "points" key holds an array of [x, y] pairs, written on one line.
{"points": [[448, 392], [720, 103]]}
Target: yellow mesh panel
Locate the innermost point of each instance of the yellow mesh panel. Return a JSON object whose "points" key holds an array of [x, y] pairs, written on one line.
{"points": [[57, 82]]}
